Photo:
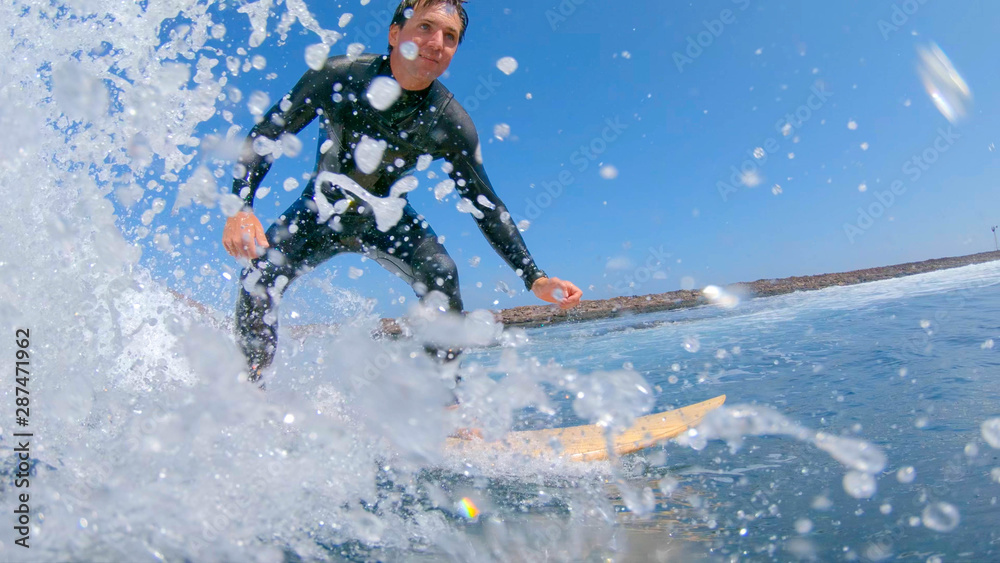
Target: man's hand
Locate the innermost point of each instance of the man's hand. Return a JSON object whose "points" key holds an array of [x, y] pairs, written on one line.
{"points": [[555, 290], [243, 234]]}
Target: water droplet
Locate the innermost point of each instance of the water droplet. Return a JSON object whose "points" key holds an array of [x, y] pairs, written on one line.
{"points": [[859, 484], [803, 525], [465, 205], [669, 484], [609, 172], [383, 92], [263, 146], [316, 55], [940, 517], [991, 432], [750, 179], [290, 145], [354, 273], [344, 20], [822, 503], [368, 154], [691, 344], [507, 65], [443, 189], [906, 474], [258, 102], [852, 125], [501, 131], [355, 49], [289, 418], [409, 50]]}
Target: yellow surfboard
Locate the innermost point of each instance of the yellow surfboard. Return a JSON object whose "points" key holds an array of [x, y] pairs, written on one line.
{"points": [[588, 443]]}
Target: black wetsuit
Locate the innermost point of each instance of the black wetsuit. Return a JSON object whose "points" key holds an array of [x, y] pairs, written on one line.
{"points": [[333, 215]]}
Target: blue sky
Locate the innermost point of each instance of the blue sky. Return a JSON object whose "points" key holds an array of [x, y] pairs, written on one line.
{"points": [[606, 76]]}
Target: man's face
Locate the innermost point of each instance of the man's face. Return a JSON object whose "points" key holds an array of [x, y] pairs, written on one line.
{"points": [[435, 31]]}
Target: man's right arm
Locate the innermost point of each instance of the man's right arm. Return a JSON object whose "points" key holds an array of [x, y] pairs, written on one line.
{"points": [[243, 234], [289, 116]]}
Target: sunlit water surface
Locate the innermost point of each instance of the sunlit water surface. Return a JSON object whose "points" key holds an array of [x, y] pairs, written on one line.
{"points": [[908, 365]]}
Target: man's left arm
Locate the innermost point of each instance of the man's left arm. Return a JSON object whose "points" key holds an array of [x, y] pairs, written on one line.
{"points": [[497, 225]]}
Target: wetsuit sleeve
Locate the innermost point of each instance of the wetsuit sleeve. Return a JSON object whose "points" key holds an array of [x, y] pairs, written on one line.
{"points": [[290, 115], [474, 186]]}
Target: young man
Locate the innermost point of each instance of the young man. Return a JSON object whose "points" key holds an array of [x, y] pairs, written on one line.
{"points": [[372, 134]]}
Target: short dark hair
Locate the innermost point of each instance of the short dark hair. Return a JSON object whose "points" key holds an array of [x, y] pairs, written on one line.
{"points": [[401, 15]]}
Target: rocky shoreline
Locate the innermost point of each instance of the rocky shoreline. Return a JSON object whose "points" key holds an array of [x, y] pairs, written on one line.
{"points": [[541, 315]]}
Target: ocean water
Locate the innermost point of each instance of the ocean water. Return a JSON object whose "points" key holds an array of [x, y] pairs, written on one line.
{"points": [[907, 365], [854, 430]]}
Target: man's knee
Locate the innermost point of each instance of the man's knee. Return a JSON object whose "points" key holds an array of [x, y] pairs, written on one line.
{"points": [[443, 271], [267, 271]]}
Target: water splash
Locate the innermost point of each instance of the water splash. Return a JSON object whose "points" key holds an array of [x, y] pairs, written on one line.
{"points": [[734, 423]]}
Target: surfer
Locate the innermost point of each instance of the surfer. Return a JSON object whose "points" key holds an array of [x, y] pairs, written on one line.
{"points": [[381, 117]]}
